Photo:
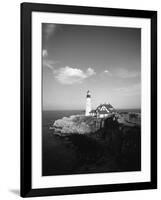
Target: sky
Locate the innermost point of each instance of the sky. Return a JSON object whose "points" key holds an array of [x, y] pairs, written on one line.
{"points": [[78, 58]]}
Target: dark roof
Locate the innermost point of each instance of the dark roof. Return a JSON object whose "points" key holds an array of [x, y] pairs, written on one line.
{"points": [[93, 111], [110, 106], [107, 106], [102, 112]]}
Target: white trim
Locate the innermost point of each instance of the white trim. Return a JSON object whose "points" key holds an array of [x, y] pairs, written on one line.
{"points": [[88, 179]]}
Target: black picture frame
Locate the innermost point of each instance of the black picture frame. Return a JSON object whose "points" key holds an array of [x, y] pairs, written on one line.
{"points": [[26, 103]]}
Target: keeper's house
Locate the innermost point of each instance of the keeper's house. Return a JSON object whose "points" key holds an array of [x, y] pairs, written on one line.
{"points": [[103, 111]]}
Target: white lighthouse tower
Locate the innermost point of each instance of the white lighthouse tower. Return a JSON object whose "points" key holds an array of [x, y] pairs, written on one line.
{"points": [[88, 103]]}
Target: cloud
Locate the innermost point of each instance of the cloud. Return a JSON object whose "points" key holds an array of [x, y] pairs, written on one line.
{"points": [[48, 30], [44, 53], [107, 72], [121, 73], [131, 90], [49, 64], [124, 73], [46, 62], [68, 75], [90, 72]]}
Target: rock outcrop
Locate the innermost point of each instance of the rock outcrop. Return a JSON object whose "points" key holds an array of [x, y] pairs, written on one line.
{"points": [[80, 124]]}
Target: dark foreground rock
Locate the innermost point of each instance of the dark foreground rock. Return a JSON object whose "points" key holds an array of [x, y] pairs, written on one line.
{"points": [[113, 147]]}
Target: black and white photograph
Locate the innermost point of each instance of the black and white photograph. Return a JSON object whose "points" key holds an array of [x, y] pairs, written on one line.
{"points": [[79, 110], [91, 99], [88, 99]]}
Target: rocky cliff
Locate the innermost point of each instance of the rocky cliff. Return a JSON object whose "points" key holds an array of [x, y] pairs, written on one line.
{"points": [[80, 124]]}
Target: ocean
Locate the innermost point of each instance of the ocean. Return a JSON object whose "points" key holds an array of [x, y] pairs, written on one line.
{"points": [[48, 117]]}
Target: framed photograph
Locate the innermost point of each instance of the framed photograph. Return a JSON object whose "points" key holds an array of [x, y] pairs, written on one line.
{"points": [[88, 99]]}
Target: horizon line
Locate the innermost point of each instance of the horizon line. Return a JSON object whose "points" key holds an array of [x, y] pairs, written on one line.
{"points": [[84, 109]]}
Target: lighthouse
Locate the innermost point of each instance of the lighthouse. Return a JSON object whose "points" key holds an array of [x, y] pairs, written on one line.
{"points": [[88, 103]]}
